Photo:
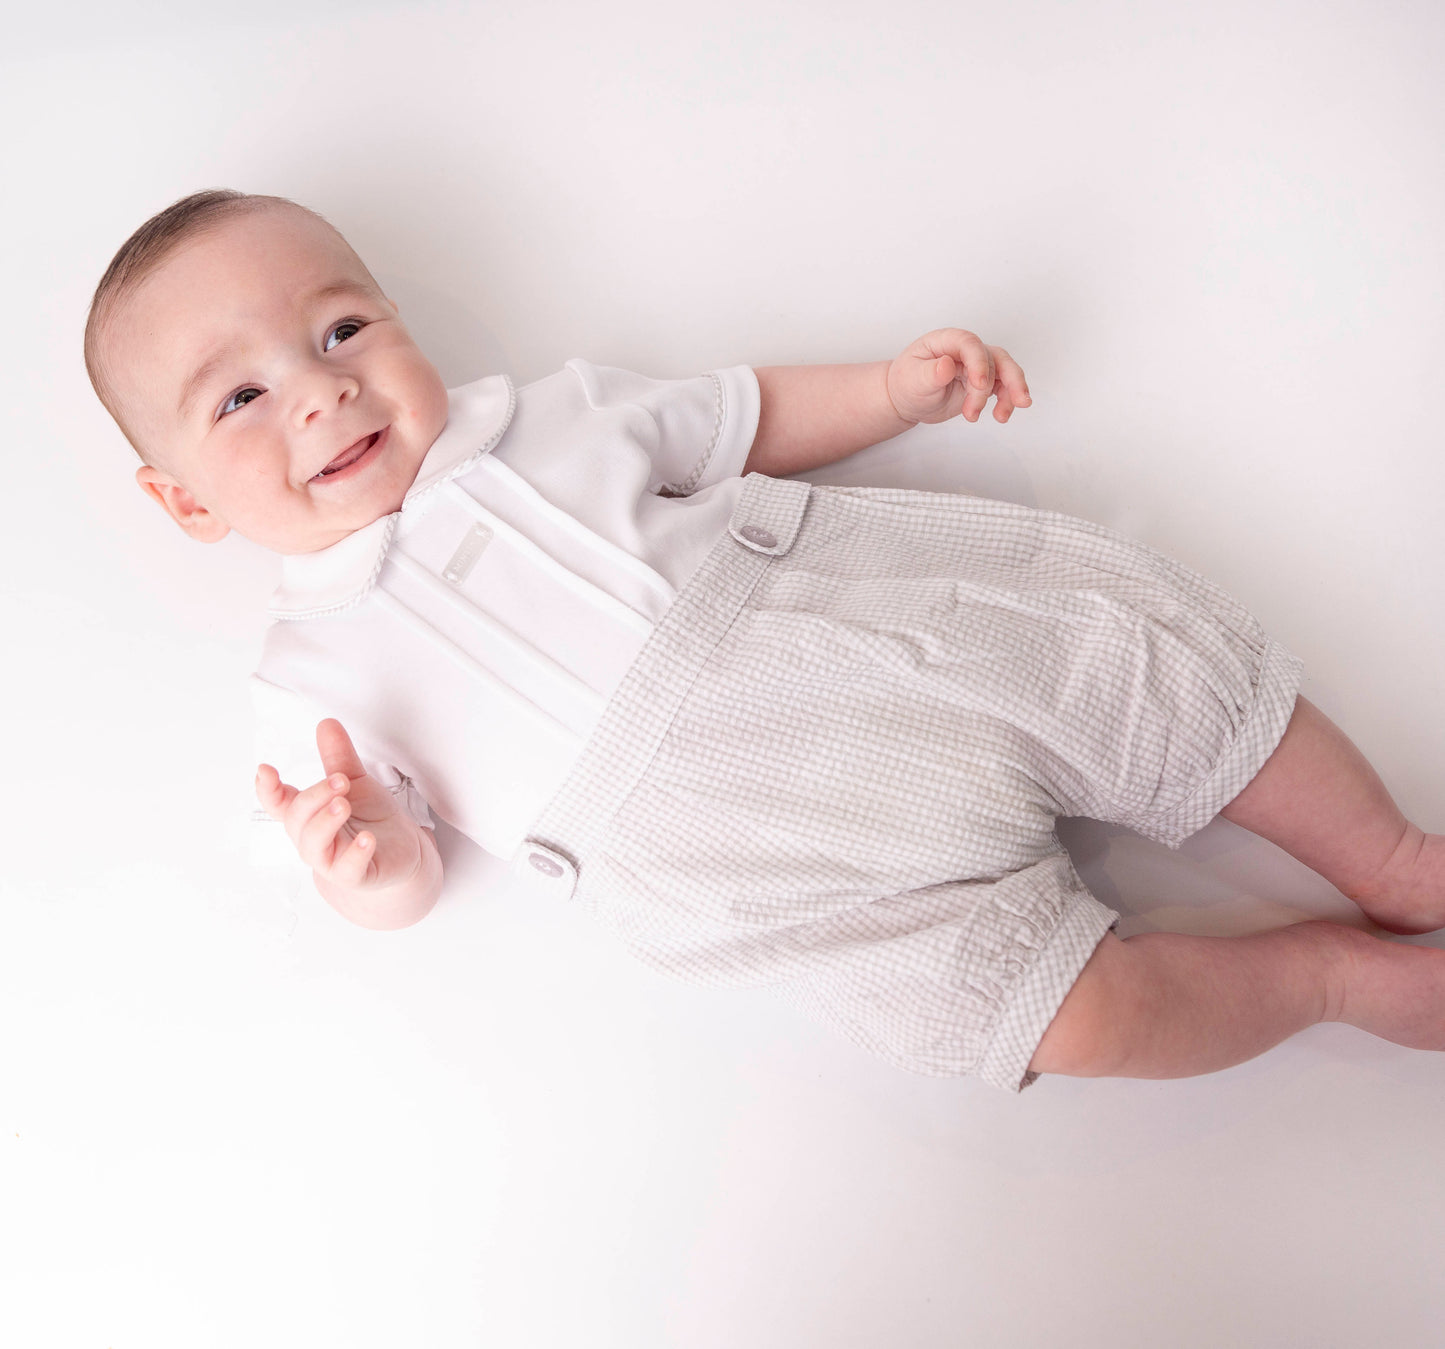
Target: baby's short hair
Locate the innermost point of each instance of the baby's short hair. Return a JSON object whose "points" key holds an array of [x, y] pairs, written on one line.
{"points": [[141, 254]]}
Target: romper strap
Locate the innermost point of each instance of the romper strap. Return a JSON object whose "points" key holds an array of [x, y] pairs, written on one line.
{"points": [[768, 513]]}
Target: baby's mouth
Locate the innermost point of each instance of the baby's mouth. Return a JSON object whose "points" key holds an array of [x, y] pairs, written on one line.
{"points": [[350, 455]]}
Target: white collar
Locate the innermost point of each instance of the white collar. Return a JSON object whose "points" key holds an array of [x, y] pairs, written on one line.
{"points": [[337, 577]]}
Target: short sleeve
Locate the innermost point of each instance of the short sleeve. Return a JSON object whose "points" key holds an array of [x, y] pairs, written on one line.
{"points": [[696, 431], [284, 736]]}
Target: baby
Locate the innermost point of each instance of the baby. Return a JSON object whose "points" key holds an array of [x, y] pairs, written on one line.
{"points": [[770, 733]]}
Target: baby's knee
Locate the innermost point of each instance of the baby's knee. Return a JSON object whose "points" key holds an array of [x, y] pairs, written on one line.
{"points": [[1165, 1004], [1093, 1031]]}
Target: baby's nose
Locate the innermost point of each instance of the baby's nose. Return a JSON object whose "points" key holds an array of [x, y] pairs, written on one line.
{"points": [[324, 390]]}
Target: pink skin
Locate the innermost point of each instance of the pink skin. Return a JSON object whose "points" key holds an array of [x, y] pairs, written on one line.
{"points": [[254, 358], [815, 414], [1165, 1005], [371, 861]]}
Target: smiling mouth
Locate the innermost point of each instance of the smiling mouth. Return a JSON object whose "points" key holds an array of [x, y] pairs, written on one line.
{"points": [[352, 454]]}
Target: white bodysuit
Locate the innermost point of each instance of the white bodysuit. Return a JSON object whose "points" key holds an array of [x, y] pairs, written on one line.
{"points": [[469, 641]]}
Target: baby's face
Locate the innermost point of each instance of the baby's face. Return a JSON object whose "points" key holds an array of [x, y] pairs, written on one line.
{"points": [[275, 385]]}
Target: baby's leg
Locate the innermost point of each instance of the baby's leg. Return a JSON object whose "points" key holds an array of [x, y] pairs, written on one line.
{"points": [[1319, 800], [1167, 1005]]}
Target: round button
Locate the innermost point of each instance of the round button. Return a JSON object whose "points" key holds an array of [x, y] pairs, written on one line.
{"points": [[758, 535], [545, 864]]}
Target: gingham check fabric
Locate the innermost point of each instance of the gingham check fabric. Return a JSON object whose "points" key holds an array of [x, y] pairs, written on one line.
{"points": [[836, 765]]}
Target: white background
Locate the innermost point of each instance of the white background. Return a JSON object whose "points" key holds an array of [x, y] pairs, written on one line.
{"points": [[1210, 233]]}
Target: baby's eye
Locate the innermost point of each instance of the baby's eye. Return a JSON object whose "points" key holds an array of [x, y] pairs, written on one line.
{"points": [[239, 399], [342, 331]]}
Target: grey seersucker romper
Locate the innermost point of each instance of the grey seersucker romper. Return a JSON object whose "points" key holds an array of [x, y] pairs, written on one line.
{"points": [[835, 767]]}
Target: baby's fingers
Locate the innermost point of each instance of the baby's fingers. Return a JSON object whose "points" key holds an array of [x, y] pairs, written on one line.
{"points": [[338, 754], [1010, 385], [316, 839], [273, 794], [979, 376], [350, 864]]}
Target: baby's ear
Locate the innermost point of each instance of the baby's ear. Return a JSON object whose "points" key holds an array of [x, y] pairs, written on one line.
{"points": [[201, 524]]}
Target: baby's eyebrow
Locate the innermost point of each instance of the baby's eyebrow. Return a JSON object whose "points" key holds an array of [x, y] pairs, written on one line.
{"points": [[197, 379], [335, 288]]}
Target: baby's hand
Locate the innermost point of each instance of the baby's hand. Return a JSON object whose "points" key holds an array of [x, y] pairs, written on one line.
{"points": [[346, 827], [949, 371]]}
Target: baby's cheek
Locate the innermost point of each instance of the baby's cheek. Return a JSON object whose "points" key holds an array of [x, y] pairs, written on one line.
{"points": [[426, 398]]}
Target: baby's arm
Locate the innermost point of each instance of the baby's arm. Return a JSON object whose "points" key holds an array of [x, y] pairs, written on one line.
{"points": [[385, 875], [814, 414]]}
